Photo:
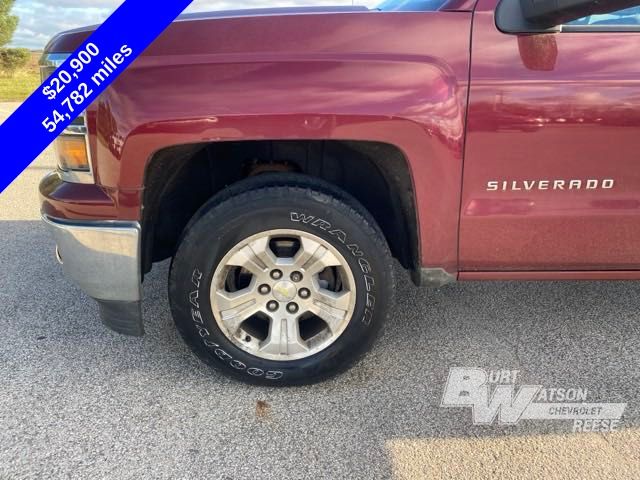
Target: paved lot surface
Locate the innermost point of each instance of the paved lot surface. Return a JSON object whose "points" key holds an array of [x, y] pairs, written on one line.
{"points": [[77, 401]]}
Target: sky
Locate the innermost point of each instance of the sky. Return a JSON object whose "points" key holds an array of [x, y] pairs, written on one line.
{"points": [[41, 19]]}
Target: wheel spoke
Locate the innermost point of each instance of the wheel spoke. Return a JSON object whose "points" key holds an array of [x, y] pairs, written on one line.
{"points": [[263, 251], [255, 257], [339, 300], [320, 259], [307, 248], [236, 307], [284, 337], [331, 307]]}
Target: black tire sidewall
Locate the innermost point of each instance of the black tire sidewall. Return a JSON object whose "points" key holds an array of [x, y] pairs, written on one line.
{"points": [[223, 226]]}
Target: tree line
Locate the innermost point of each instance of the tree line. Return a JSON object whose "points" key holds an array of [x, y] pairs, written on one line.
{"points": [[11, 59]]}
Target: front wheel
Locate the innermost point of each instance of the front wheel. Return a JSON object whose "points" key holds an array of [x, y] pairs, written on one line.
{"points": [[283, 284]]}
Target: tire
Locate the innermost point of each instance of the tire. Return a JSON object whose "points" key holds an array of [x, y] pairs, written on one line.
{"points": [[298, 246]]}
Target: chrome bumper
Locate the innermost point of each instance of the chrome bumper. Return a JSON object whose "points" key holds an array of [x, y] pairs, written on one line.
{"points": [[103, 259]]}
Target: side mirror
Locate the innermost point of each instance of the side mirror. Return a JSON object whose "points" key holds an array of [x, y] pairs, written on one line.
{"points": [[550, 13]]}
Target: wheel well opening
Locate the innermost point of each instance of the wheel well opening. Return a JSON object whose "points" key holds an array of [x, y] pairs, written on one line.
{"points": [[180, 179]]}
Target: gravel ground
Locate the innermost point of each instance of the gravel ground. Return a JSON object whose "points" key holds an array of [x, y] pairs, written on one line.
{"points": [[78, 401]]}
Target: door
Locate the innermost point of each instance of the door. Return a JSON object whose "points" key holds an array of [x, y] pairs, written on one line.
{"points": [[552, 166]]}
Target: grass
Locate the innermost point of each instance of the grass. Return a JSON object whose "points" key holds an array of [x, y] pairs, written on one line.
{"points": [[23, 83]]}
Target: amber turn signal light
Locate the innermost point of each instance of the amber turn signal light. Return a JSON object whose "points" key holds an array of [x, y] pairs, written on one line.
{"points": [[72, 153]]}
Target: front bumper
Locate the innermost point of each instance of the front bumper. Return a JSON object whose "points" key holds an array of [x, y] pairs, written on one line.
{"points": [[103, 259]]}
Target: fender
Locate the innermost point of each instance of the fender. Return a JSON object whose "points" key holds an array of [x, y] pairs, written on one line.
{"points": [[393, 77]]}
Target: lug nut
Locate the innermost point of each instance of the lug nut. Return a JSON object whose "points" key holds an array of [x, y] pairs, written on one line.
{"points": [[296, 277], [276, 274], [292, 307], [264, 289], [272, 306], [304, 293]]}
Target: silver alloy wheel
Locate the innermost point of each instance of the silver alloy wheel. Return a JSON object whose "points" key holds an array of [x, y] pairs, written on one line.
{"points": [[283, 294]]}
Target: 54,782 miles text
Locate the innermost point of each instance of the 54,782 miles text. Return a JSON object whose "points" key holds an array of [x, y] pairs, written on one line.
{"points": [[78, 99]]}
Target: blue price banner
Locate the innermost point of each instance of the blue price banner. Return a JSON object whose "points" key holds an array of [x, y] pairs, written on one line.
{"points": [[80, 79]]}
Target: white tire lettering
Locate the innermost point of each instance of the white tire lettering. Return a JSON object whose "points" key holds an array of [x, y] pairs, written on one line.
{"points": [[366, 317], [238, 365], [365, 266], [222, 355], [196, 317], [198, 322], [298, 217], [196, 277], [193, 298]]}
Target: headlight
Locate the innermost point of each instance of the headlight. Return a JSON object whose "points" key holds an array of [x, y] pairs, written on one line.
{"points": [[72, 146], [49, 62]]}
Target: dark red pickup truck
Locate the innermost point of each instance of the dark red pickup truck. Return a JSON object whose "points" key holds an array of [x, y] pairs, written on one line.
{"points": [[283, 157]]}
